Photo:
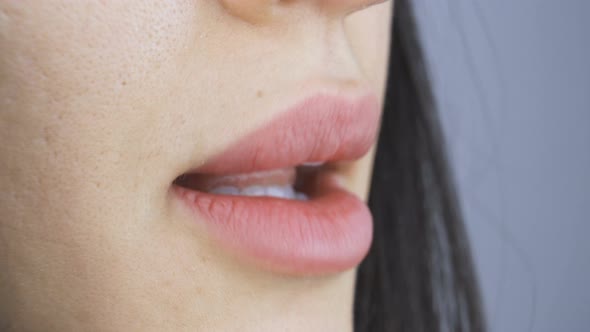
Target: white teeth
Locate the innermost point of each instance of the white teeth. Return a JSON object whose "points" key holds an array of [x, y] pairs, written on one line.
{"points": [[285, 192], [281, 192], [301, 197], [313, 164], [253, 191], [225, 190]]}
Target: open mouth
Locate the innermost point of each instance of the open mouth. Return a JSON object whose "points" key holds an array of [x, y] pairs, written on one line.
{"points": [[296, 183], [276, 198]]}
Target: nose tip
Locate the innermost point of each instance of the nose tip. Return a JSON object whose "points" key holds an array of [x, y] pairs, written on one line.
{"points": [[258, 11]]}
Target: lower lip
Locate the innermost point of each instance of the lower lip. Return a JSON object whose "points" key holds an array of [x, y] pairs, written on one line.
{"points": [[329, 233]]}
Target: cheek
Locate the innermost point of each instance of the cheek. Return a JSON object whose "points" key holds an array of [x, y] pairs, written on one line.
{"points": [[75, 106], [82, 119]]}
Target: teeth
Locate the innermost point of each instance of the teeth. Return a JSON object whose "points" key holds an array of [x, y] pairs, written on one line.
{"points": [[281, 192], [313, 164], [285, 192], [225, 190], [301, 197], [253, 191]]}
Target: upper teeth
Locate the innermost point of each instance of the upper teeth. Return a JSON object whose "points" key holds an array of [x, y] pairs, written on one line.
{"points": [[286, 192], [313, 164]]}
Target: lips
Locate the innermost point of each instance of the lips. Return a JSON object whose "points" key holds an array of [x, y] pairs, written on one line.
{"points": [[275, 198]]}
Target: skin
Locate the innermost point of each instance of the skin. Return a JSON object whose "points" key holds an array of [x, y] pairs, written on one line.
{"points": [[104, 103]]}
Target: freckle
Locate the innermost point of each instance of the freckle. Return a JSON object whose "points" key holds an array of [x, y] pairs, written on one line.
{"points": [[259, 93], [124, 83]]}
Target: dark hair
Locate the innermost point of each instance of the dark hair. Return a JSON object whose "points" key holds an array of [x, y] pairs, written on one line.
{"points": [[418, 275]]}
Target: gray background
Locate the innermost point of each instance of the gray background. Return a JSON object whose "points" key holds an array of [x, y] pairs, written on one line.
{"points": [[512, 79]]}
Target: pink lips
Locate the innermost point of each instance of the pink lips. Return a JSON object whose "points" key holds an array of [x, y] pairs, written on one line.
{"points": [[330, 232]]}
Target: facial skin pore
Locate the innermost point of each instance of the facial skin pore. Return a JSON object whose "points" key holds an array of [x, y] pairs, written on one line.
{"points": [[104, 103]]}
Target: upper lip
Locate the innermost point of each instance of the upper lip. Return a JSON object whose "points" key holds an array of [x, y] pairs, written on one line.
{"points": [[321, 128]]}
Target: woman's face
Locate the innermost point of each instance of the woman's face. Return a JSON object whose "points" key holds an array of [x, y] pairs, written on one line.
{"points": [[104, 104]]}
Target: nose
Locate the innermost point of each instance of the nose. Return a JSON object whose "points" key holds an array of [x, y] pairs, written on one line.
{"points": [[258, 11]]}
